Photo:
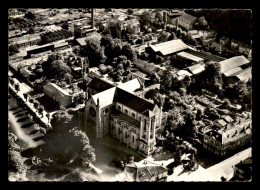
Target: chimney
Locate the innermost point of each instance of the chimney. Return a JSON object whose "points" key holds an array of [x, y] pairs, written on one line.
{"points": [[92, 18], [165, 20]]}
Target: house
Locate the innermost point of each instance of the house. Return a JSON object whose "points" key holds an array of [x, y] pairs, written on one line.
{"points": [[181, 74], [194, 34], [60, 96], [118, 112], [196, 69], [186, 21], [141, 76], [145, 171], [243, 170], [228, 138], [234, 44], [189, 57], [224, 40], [244, 49], [232, 63], [217, 47]]}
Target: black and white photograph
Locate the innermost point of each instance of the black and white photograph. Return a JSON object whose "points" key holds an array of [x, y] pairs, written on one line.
{"points": [[129, 95]]}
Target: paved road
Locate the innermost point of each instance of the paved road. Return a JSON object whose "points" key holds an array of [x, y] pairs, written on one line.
{"points": [[214, 173]]}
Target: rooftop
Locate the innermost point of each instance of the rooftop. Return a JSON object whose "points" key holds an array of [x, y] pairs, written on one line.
{"points": [[188, 17], [169, 47], [232, 63], [190, 56], [204, 55], [244, 75], [125, 117], [195, 69], [99, 85]]}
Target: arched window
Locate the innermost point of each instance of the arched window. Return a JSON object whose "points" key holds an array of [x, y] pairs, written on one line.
{"points": [[92, 112], [119, 107], [126, 111], [133, 114]]}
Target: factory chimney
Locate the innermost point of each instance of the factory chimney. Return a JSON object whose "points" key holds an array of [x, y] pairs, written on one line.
{"points": [[92, 18]]}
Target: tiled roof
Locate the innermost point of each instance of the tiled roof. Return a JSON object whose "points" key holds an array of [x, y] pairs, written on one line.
{"points": [[99, 85], [232, 71], [244, 75], [188, 17], [132, 101], [105, 97], [189, 56], [55, 90], [195, 69], [232, 63], [204, 55], [169, 47], [130, 86]]}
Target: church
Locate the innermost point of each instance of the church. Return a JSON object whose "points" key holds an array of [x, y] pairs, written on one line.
{"points": [[115, 110]]}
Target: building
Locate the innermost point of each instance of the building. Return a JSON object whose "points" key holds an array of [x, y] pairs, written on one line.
{"points": [[234, 44], [146, 171], [26, 40], [196, 69], [115, 111], [224, 40], [60, 96], [204, 55], [188, 59], [244, 49], [228, 137], [232, 63], [167, 48], [242, 75], [194, 34], [186, 21]]}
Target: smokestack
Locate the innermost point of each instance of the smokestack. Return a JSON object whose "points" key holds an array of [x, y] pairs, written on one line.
{"points": [[92, 18], [165, 20]]}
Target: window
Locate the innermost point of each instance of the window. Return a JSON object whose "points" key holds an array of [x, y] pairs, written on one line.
{"points": [[133, 139], [133, 114], [144, 124], [92, 112], [106, 110], [126, 135], [119, 107], [126, 112]]}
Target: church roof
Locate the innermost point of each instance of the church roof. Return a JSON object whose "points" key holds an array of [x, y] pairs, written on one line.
{"points": [[99, 85]]}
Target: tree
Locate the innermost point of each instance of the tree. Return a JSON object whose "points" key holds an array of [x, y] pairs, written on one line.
{"points": [[65, 26], [30, 15], [13, 49], [187, 131], [40, 110], [60, 121], [145, 18], [59, 69], [48, 116], [36, 105], [82, 147], [25, 95], [11, 81], [130, 11], [68, 78], [31, 30], [17, 87]]}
